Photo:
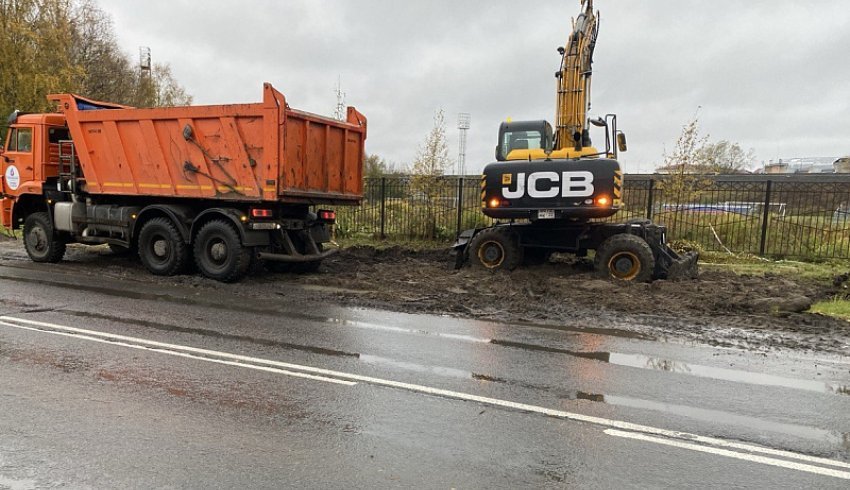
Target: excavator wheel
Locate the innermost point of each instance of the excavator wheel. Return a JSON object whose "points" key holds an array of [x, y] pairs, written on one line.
{"points": [[496, 249], [625, 257]]}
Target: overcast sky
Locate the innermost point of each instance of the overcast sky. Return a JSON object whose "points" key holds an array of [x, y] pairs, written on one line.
{"points": [[772, 75]]}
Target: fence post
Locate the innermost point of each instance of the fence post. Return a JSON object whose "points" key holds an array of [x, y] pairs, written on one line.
{"points": [[765, 217], [383, 207], [459, 205], [649, 198]]}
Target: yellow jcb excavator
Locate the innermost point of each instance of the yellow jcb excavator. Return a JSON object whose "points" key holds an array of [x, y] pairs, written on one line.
{"points": [[547, 187]]}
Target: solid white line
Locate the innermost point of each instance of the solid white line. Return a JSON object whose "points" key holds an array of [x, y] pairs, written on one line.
{"points": [[185, 355], [617, 424], [791, 465]]}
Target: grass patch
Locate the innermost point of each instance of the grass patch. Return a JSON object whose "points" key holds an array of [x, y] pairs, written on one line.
{"points": [[837, 307], [754, 265]]}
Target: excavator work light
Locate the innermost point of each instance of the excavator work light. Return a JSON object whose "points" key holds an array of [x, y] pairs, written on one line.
{"points": [[603, 201], [494, 203]]}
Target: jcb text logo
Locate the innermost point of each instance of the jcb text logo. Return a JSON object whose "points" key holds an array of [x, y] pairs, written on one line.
{"points": [[543, 185]]}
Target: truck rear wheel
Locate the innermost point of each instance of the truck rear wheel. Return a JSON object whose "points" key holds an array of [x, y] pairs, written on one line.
{"points": [[40, 239], [219, 253], [496, 249], [626, 258], [161, 247]]}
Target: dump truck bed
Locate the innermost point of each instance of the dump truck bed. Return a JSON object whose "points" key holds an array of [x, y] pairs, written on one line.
{"points": [[248, 152]]}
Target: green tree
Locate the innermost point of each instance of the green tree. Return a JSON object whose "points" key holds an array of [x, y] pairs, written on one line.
{"points": [[49, 46]]}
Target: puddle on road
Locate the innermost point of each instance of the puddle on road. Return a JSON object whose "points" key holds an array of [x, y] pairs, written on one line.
{"points": [[419, 368], [723, 374], [715, 416], [659, 364], [706, 415], [18, 484]]}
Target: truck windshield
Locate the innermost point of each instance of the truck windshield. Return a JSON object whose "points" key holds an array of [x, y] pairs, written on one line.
{"points": [[21, 140], [521, 140]]}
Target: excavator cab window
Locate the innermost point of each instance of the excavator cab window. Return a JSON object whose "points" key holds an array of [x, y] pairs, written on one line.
{"points": [[525, 135]]}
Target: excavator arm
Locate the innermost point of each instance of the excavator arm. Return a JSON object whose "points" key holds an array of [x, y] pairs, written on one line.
{"points": [[573, 81], [536, 140]]}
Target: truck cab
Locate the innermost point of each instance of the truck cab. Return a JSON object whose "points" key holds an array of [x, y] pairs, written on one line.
{"points": [[29, 159]]}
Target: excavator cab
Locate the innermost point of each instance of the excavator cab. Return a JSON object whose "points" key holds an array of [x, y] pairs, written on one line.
{"points": [[523, 140]]}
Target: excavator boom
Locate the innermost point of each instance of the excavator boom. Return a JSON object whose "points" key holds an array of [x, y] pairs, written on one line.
{"points": [[573, 81]]}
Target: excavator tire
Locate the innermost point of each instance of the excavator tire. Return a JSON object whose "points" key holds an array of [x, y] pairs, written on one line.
{"points": [[496, 249], [625, 257]]}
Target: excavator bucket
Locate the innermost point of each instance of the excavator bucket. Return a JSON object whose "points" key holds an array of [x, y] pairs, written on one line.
{"points": [[675, 267]]}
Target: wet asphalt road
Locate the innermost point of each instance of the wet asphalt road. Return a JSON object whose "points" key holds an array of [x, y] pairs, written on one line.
{"points": [[112, 385]]}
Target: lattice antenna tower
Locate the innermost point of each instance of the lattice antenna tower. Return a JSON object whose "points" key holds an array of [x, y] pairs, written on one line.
{"points": [[145, 61], [463, 122], [339, 111]]}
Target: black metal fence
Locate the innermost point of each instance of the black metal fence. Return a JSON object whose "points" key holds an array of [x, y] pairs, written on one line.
{"points": [[800, 216]]}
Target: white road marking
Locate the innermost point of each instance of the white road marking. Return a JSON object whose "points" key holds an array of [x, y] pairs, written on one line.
{"points": [[731, 454], [185, 355], [616, 424]]}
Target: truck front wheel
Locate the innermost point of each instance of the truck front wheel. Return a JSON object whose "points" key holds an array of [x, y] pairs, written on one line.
{"points": [[161, 247], [626, 258], [219, 253], [496, 249], [40, 239]]}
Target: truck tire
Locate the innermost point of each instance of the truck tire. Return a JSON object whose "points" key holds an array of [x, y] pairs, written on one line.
{"points": [[496, 249], [161, 248], [625, 257], [40, 239], [219, 253]]}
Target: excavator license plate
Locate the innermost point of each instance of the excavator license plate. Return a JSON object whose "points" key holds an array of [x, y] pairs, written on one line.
{"points": [[546, 214]]}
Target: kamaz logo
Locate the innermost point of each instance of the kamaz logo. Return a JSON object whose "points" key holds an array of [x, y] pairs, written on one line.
{"points": [[543, 185]]}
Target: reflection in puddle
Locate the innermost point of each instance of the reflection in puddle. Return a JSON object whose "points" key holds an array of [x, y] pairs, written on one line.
{"points": [[737, 376], [659, 364], [715, 416], [419, 368]]}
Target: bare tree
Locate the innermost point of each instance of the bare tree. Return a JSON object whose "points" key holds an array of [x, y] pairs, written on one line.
{"points": [[432, 160]]}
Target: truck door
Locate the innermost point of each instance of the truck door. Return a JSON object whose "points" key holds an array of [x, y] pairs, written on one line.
{"points": [[17, 161]]}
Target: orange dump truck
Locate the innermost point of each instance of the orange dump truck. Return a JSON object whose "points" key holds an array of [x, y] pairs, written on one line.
{"points": [[225, 185]]}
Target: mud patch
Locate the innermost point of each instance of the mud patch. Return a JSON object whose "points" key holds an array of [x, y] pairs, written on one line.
{"points": [[720, 308]]}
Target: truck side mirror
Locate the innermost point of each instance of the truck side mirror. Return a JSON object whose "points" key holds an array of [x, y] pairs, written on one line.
{"points": [[621, 141]]}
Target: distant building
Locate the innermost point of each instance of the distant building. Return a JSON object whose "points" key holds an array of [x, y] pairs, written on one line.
{"points": [[842, 165], [806, 165]]}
